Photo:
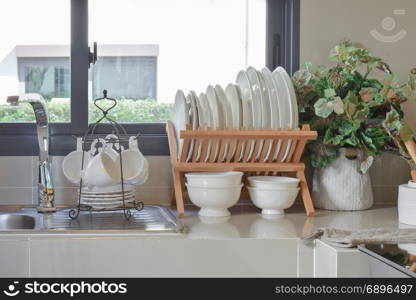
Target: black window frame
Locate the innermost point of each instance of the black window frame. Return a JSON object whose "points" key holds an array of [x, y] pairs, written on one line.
{"points": [[19, 139]]}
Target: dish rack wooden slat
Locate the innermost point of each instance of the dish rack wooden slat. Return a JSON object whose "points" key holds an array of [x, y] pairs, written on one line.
{"points": [[203, 159]]}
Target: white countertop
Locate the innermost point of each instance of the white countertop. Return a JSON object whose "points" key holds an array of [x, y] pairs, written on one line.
{"points": [[247, 222], [243, 245]]}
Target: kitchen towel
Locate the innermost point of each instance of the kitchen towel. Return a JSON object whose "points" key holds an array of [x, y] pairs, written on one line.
{"points": [[352, 238]]}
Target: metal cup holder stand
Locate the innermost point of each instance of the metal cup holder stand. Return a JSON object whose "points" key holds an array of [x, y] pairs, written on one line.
{"points": [[119, 137]]}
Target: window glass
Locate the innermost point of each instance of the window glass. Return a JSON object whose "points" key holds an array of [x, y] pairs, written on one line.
{"points": [[34, 57], [148, 49], [130, 77]]}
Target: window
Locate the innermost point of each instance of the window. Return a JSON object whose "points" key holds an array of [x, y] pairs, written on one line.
{"points": [[25, 64], [199, 43], [128, 77], [47, 76], [147, 49]]}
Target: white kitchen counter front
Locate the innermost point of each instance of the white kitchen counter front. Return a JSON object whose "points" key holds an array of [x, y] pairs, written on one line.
{"points": [[243, 245]]}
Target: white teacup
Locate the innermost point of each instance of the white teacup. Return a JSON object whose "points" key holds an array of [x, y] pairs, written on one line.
{"points": [[72, 163], [135, 165], [101, 170]]}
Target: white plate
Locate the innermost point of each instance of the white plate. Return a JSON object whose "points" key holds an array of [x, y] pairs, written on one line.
{"points": [[194, 122], [202, 113], [107, 190], [292, 96], [217, 114], [266, 111], [104, 197], [284, 106], [258, 101], [180, 116], [203, 100], [209, 120], [109, 205], [105, 201], [216, 108], [226, 108], [275, 118], [234, 100], [284, 101], [250, 112], [228, 117], [201, 117], [115, 197], [254, 83]]}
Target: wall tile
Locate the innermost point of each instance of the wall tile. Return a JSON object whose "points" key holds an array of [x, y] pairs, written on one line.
{"points": [[389, 170], [21, 172], [15, 171], [59, 178], [385, 194], [15, 195], [161, 196], [160, 172], [66, 196]]}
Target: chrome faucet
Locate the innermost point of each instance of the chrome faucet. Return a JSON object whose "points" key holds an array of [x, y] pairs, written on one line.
{"points": [[46, 201]]}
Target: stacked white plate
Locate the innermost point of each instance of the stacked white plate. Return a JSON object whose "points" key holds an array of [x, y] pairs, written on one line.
{"points": [[260, 99], [107, 198]]}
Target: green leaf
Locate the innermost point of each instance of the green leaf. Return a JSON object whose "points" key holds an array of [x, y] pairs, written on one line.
{"points": [[392, 121], [346, 127], [307, 65], [379, 98], [332, 138], [322, 155], [366, 164], [362, 114], [323, 108], [368, 94], [338, 106], [351, 141], [329, 93], [350, 109]]}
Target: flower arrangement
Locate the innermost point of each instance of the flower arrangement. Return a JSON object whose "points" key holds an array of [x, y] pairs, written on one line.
{"points": [[349, 107]]}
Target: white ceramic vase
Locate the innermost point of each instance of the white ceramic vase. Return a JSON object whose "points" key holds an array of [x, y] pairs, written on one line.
{"points": [[340, 186]]}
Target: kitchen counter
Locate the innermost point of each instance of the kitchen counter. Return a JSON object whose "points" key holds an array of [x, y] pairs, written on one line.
{"points": [[244, 244]]}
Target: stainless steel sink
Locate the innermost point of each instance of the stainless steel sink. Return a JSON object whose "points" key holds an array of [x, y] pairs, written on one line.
{"points": [[152, 219], [12, 221]]}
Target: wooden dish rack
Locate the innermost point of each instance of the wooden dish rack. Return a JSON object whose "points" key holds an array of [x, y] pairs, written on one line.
{"points": [[241, 140]]}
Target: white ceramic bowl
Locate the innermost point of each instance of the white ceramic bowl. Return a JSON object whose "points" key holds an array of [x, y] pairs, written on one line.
{"points": [[267, 182], [215, 179], [214, 201], [273, 201]]}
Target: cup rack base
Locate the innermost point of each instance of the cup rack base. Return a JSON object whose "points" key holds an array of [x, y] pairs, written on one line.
{"points": [[247, 157]]}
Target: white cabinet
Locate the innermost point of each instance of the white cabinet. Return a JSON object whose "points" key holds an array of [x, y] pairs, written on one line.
{"points": [[14, 257], [163, 257]]}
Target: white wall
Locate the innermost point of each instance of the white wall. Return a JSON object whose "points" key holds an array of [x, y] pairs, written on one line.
{"points": [[324, 23]]}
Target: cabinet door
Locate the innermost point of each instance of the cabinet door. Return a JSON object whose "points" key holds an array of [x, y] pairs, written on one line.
{"points": [[14, 257], [163, 257]]}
